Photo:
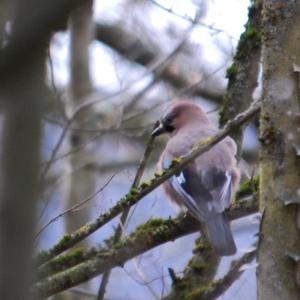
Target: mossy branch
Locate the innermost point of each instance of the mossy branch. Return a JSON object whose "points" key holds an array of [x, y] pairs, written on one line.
{"points": [[136, 194], [199, 271], [149, 235], [215, 289], [242, 74]]}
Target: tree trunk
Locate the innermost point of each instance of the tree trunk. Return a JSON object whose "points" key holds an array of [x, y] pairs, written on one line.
{"points": [[81, 183], [82, 180], [21, 96], [279, 163]]}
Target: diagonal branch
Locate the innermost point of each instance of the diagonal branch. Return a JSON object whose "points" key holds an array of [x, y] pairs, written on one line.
{"points": [[136, 195]]}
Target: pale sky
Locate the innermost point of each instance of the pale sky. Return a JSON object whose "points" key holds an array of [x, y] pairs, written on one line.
{"points": [[228, 16]]}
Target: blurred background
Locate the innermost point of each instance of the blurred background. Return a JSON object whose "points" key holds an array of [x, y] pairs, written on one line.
{"points": [[110, 77]]}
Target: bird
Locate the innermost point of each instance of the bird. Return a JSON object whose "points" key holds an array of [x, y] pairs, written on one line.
{"points": [[206, 186]]}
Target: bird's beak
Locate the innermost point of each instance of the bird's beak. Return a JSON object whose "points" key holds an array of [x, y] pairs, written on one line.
{"points": [[158, 130]]}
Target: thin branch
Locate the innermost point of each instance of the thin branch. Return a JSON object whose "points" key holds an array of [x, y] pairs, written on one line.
{"points": [[136, 195], [124, 216], [191, 20], [75, 207], [91, 100], [53, 84]]}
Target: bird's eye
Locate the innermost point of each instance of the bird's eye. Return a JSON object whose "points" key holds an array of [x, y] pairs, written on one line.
{"points": [[168, 122]]}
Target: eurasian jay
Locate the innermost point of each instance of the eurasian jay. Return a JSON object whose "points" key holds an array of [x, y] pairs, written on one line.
{"points": [[206, 186]]}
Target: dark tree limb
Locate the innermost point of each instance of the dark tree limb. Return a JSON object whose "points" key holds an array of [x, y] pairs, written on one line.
{"points": [[22, 90], [23, 47]]}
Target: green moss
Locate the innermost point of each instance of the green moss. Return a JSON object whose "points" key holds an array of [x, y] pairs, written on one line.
{"points": [[63, 242], [175, 162], [69, 258], [231, 72], [197, 266], [251, 37], [154, 227], [42, 257], [84, 228], [199, 293], [61, 262], [145, 184], [197, 279], [203, 142], [159, 174], [134, 191], [222, 111], [248, 187], [130, 196]]}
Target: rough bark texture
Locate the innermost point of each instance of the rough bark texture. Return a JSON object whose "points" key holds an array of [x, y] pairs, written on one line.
{"points": [[279, 165], [199, 272]]}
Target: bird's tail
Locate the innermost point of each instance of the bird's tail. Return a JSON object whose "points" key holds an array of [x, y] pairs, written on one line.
{"points": [[220, 235]]}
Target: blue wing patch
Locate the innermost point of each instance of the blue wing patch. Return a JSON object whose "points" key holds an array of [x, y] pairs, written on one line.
{"points": [[205, 193]]}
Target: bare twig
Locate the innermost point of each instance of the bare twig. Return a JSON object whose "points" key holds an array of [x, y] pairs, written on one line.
{"points": [[124, 216], [191, 20], [132, 48], [92, 100], [75, 207]]}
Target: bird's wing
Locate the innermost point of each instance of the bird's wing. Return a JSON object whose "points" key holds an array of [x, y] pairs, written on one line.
{"points": [[204, 193]]}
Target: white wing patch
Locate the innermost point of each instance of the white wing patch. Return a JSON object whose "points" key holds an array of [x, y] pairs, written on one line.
{"points": [[181, 178], [226, 191], [188, 200]]}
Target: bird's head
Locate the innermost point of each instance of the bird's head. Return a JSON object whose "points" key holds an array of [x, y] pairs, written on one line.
{"points": [[178, 115]]}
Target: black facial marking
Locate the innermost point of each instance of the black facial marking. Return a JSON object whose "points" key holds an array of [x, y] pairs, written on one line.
{"points": [[168, 122]]}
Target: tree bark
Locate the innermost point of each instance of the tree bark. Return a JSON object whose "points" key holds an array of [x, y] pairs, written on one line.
{"points": [[279, 163], [21, 97]]}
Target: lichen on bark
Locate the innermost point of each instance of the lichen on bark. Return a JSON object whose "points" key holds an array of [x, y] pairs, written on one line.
{"points": [[279, 165]]}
